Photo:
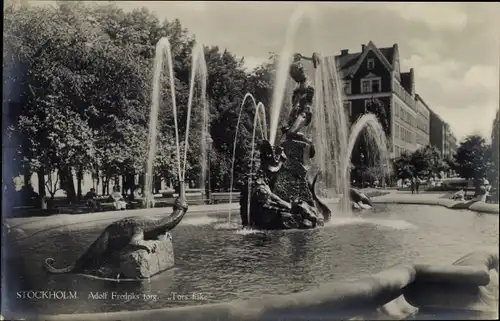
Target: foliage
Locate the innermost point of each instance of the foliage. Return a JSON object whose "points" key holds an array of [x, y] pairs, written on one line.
{"points": [[472, 158], [77, 82], [425, 162], [493, 173], [403, 167]]}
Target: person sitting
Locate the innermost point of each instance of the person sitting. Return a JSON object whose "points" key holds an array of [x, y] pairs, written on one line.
{"points": [[484, 190], [117, 198], [91, 201]]}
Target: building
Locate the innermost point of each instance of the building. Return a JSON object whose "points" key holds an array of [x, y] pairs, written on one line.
{"points": [[374, 73], [450, 143], [441, 136], [423, 122]]}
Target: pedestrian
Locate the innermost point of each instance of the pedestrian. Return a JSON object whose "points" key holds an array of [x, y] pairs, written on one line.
{"points": [[417, 184], [412, 185], [91, 201]]}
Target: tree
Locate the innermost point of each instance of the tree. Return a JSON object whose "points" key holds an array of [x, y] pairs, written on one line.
{"points": [[78, 79], [471, 160], [403, 167], [50, 85], [427, 162], [493, 173]]}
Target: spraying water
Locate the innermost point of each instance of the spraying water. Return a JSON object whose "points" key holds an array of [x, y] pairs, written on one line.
{"points": [[330, 131], [163, 50], [256, 118], [284, 61], [263, 128], [376, 138], [197, 64]]}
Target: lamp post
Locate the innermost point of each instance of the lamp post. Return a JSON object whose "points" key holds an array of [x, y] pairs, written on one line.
{"points": [[208, 192]]}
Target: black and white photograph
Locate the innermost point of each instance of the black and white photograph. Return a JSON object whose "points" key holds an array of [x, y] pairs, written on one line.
{"points": [[250, 160]]}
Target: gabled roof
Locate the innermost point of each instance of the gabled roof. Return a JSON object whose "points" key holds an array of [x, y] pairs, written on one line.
{"points": [[378, 53], [406, 81], [347, 62], [388, 53]]}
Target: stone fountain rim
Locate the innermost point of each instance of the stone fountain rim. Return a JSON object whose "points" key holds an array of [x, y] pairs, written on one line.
{"points": [[198, 210], [352, 295]]}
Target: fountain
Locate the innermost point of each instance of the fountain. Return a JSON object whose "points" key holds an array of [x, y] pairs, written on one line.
{"points": [[139, 247], [320, 106], [280, 195], [259, 112], [268, 276], [375, 135]]}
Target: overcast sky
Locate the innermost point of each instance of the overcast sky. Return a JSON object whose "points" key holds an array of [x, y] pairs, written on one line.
{"points": [[454, 48]]}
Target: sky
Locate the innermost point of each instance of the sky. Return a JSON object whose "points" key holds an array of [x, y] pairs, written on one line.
{"points": [[454, 48]]}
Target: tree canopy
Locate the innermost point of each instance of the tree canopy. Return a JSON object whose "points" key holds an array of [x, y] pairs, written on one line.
{"points": [[472, 160], [77, 86], [425, 162]]}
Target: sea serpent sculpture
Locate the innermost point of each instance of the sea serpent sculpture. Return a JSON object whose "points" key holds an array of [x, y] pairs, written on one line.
{"points": [[136, 247]]}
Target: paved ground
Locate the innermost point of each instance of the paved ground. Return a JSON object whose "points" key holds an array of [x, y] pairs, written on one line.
{"points": [[31, 224], [37, 223], [24, 227]]}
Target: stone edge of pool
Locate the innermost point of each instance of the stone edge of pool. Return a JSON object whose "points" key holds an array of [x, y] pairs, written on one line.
{"points": [[476, 206], [18, 225], [470, 285]]}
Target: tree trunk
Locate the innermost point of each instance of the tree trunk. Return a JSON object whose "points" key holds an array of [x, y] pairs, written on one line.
{"points": [[142, 179], [103, 187], [157, 184], [124, 184], [97, 178], [67, 183], [79, 179], [41, 182], [130, 180], [27, 176]]}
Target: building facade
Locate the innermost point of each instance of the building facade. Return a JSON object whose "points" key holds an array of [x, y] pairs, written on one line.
{"points": [[441, 136], [374, 73], [450, 143], [423, 122]]}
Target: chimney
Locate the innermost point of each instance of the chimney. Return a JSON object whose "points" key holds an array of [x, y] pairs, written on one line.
{"points": [[363, 48], [412, 82], [344, 52]]}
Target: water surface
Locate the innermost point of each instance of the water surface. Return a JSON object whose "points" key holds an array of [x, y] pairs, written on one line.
{"points": [[217, 262]]}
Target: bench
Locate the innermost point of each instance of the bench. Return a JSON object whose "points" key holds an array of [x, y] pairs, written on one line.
{"points": [[221, 198]]}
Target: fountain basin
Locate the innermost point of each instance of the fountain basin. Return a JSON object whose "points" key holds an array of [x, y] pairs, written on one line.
{"points": [[433, 199], [212, 257], [398, 292]]}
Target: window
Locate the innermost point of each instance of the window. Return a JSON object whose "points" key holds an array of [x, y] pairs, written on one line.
{"points": [[375, 85], [347, 87], [396, 131], [370, 85], [370, 63], [365, 86], [396, 109], [348, 107]]}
